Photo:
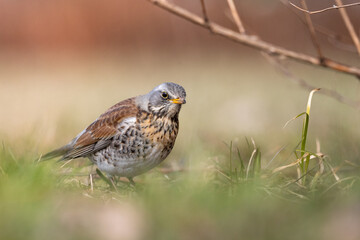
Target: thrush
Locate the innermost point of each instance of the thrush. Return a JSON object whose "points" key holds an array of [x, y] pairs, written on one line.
{"points": [[131, 137]]}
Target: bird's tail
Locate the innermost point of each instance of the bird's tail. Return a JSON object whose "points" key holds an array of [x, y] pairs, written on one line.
{"points": [[60, 152]]}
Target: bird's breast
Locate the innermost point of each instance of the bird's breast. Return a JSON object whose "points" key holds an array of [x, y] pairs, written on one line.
{"points": [[159, 130]]}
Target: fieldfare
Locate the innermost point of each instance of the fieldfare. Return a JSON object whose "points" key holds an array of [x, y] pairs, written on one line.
{"points": [[131, 137]]}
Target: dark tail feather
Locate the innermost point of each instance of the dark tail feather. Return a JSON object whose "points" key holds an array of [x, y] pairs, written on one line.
{"points": [[60, 152]]}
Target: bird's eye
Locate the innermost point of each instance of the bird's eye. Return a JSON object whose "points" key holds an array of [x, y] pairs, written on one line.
{"points": [[164, 95]]}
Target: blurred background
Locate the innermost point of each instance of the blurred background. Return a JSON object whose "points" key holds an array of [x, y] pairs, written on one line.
{"points": [[63, 63]]}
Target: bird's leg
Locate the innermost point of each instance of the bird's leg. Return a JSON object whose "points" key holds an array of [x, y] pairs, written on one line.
{"points": [[131, 180], [107, 179], [112, 179], [118, 179]]}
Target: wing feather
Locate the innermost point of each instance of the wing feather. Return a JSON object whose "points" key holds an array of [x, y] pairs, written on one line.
{"points": [[98, 135], [78, 152]]}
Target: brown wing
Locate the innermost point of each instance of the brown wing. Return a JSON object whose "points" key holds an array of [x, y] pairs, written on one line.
{"points": [[98, 135]]}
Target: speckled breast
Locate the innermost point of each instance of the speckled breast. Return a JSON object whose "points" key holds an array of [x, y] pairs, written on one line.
{"points": [[159, 130], [142, 143]]}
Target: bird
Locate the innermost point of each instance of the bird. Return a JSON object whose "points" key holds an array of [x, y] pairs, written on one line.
{"points": [[131, 137]]}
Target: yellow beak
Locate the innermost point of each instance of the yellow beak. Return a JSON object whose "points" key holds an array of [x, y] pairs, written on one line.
{"points": [[178, 101]]}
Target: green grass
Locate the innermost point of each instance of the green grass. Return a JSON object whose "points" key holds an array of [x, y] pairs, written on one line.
{"points": [[233, 170], [234, 196]]}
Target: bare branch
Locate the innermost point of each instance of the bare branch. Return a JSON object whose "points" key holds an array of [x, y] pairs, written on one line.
{"points": [[312, 30], [302, 83], [325, 9], [235, 16], [334, 38], [255, 42], [349, 26]]}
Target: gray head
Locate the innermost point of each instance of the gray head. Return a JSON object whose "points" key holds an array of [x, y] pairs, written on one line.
{"points": [[164, 100]]}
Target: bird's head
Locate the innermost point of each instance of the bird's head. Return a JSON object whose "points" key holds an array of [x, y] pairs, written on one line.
{"points": [[166, 99]]}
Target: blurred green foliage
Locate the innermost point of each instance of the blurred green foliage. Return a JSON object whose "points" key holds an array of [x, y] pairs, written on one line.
{"points": [[39, 201]]}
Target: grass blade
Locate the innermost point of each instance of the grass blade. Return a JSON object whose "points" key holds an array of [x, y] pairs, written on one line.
{"points": [[304, 163], [242, 165]]}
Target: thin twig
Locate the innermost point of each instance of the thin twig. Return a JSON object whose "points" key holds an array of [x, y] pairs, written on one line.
{"points": [[235, 16], [203, 8], [325, 9], [349, 26], [312, 31], [255, 42], [334, 38], [302, 83]]}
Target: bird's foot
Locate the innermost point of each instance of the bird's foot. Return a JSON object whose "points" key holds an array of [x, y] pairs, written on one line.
{"points": [[131, 181]]}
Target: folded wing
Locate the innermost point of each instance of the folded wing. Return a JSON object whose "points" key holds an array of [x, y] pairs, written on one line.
{"points": [[97, 135]]}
